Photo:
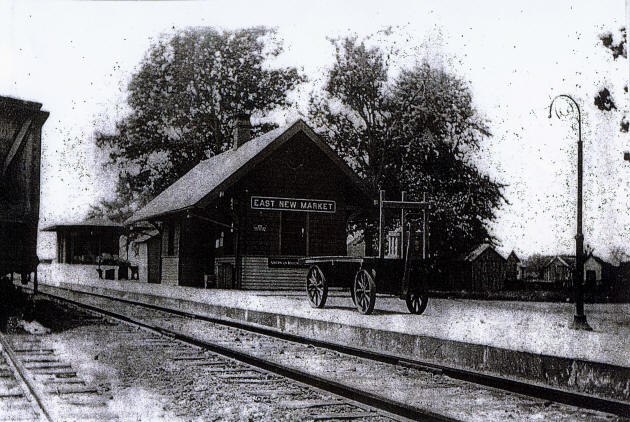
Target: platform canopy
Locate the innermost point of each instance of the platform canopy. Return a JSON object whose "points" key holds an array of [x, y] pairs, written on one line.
{"points": [[85, 224]]}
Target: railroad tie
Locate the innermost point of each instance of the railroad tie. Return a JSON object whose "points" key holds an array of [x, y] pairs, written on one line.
{"points": [[303, 404], [344, 415], [36, 351], [46, 365], [16, 392]]}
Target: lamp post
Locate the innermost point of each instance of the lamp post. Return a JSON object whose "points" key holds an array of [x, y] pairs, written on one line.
{"points": [[579, 319]]}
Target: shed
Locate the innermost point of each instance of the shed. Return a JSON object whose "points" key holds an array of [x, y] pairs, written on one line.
{"points": [[559, 270], [482, 269], [243, 218], [597, 271]]}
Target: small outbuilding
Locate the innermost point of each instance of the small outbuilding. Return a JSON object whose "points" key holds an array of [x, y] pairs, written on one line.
{"points": [[559, 270], [481, 270], [243, 218], [597, 272]]}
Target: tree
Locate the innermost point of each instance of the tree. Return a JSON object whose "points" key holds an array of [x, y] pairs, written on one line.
{"points": [[618, 255], [604, 100], [183, 97], [414, 132]]}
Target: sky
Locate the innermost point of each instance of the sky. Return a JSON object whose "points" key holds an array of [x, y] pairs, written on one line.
{"points": [[76, 59]]}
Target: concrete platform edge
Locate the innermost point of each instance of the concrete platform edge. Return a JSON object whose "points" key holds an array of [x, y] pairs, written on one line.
{"points": [[604, 380]]}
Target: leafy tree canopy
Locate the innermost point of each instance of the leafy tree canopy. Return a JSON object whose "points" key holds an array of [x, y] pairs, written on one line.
{"points": [[414, 132], [618, 255], [604, 99], [183, 97]]}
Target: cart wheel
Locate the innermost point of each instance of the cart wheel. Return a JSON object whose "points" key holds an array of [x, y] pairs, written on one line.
{"points": [[417, 302], [364, 292], [316, 287]]}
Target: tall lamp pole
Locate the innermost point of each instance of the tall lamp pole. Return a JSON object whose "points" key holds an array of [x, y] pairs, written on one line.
{"points": [[579, 319]]}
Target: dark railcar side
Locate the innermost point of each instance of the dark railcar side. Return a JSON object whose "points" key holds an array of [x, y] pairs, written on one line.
{"points": [[20, 155]]}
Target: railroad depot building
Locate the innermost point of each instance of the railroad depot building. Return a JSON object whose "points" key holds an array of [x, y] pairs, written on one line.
{"points": [[243, 218]]}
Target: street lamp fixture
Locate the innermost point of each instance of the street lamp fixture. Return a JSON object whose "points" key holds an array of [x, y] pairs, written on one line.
{"points": [[579, 319]]}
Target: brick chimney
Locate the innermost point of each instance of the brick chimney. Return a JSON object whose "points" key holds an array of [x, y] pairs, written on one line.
{"points": [[242, 130]]}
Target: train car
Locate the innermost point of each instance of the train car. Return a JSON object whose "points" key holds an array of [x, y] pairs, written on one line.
{"points": [[20, 155]]}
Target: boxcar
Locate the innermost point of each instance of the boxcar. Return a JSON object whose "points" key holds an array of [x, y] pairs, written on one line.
{"points": [[20, 154]]}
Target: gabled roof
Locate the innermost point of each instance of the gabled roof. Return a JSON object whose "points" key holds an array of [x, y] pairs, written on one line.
{"points": [[566, 260], [478, 251], [513, 257], [599, 260], [217, 173]]}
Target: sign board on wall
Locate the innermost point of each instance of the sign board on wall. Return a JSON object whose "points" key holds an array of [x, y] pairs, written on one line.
{"points": [[293, 204], [280, 262]]}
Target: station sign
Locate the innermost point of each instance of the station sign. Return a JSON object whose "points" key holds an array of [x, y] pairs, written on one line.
{"points": [[284, 262], [293, 204]]}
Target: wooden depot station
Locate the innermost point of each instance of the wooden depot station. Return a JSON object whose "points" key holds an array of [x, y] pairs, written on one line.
{"points": [[244, 218]]}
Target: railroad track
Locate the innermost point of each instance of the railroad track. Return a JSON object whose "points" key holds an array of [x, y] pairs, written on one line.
{"points": [[315, 398], [17, 400], [233, 333], [39, 386], [310, 404], [36, 385]]}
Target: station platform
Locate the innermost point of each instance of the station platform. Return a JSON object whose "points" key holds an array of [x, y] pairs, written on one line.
{"points": [[526, 340]]}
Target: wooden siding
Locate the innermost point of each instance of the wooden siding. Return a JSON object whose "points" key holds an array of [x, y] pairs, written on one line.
{"points": [[176, 237], [488, 272], [328, 234], [170, 270], [297, 170], [196, 251], [153, 259], [258, 276], [591, 264], [559, 273], [170, 263], [224, 270]]}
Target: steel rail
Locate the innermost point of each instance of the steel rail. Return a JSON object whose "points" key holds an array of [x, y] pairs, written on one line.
{"points": [[581, 400], [372, 400], [28, 384]]}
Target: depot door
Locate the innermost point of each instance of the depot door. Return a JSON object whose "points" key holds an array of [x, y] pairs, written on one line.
{"points": [[153, 259], [293, 233]]}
